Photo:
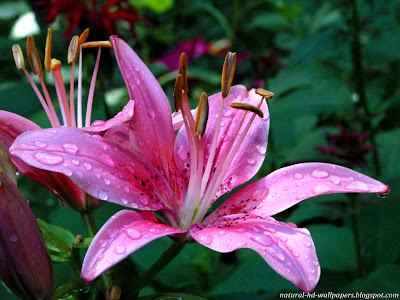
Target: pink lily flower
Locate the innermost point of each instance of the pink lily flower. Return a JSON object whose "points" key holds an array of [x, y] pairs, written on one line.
{"points": [[12, 125], [181, 176]]}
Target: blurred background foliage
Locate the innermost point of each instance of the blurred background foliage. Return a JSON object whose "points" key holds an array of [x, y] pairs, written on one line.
{"points": [[333, 103]]}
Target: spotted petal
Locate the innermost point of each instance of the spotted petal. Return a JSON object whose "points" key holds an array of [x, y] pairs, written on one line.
{"points": [[287, 249], [11, 126], [287, 186], [251, 153], [103, 168], [121, 235], [125, 115]]}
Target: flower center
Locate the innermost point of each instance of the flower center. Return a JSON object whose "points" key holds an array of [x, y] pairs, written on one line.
{"points": [[69, 116]]}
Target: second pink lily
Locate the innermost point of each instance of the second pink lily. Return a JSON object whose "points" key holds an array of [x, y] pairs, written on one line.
{"points": [[144, 166]]}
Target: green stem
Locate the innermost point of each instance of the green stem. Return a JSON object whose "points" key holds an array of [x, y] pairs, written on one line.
{"points": [[160, 264], [91, 227], [356, 232], [69, 287], [359, 81]]}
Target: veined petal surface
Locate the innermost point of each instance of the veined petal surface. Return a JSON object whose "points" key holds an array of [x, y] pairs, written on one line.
{"points": [[103, 168], [120, 236], [287, 249], [287, 186]]}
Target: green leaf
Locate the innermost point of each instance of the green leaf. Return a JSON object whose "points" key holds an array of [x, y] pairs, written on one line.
{"points": [[335, 247], [171, 296], [272, 21], [157, 6]]}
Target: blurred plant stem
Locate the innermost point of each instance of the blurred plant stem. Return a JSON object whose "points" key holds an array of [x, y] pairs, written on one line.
{"points": [[159, 265], [91, 227], [359, 81], [354, 224]]}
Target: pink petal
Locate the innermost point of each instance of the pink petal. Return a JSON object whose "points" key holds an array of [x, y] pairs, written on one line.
{"points": [[287, 249], [177, 119], [125, 115], [103, 168], [119, 133], [251, 153], [287, 186], [121, 235], [11, 126]]}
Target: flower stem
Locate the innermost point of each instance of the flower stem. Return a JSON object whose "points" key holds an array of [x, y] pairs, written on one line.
{"points": [[359, 81], [356, 232], [160, 264], [91, 227]]}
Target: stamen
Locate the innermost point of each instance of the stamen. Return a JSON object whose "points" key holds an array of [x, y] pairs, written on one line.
{"points": [[227, 73], [73, 49], [33, 56], [264, 93], [47, 54], [202, 115], [18, 57], [248, 107], [83, 37], [98, 44], [183, 70], [91, 90], [178, 92], [55, 66]]}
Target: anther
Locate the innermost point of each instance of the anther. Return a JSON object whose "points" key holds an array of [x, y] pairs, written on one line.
{"points": [[18, 57], [264, 93], [227, 73], [248, 107], [73, 49], [99, 44], [33, 56], [202, 115], [83, 37], [183, 70], [178, 92], [47, 52], [54, 63]]}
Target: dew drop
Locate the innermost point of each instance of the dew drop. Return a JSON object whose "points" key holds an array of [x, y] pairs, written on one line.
{"points": [[308, 244], [75, 162], [227, 113], [151, 114], [182, 153], [87, 166], [48, 158], [133, 234], [107, 181], [221, 233], [112, 232], [155, 230], [40, 145], [126, 189], [319, 174], [144, 199], [124, 201], [278, 257], [98, 123], [264, 240], [357, 186], [251, 161], [301, 196], [298, 176], [261, 149], [67, 172], [259, 193], [296, 254], [283, 238], [320, 189], [120, 249], [13, 237], [335, 180], [70, 148], [103, 243], [206, 239], [103, 195]]}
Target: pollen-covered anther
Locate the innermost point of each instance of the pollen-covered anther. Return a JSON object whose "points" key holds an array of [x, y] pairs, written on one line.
{"points": [[83, 37], [73, 49], [99, 44], [248, 107], [183, 70], [178, 92], [228, 71], [47, 51], [264, 93], [202, 115], [33, 56], [18, 57], [54, 63]]}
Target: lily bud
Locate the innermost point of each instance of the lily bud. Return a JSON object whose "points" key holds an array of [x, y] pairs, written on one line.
{"points": [[25, 264]]}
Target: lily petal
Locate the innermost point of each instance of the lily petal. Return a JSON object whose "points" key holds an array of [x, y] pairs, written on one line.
{"points": [[287, 186], [251, 153], [13, 125], [287, 249], [125, 115], [123, 234], [103, 168], [119, 133]]}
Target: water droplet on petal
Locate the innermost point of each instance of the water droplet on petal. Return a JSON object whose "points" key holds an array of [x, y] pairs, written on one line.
{"points": [[120, 249], [107, 181], [103, 243], [227, 113], [98, 123], [335, 180], [87, 166], [308, 244], [126, 189], [298, 176], [259, 193], [155, 230], [144, 199], [75, 162], [263, 240], [48, 158], [319, 174], [206, 239], [70, 148], [283, 238], [40, 145], [296, 254], [124, 201], [357, 186], [322, 188], [133, 234], [13, 237], [251, 161], [67, 172], [182, 153], [278, 256], [302, 196], [221, 232], [103, 195], [261, 149]]}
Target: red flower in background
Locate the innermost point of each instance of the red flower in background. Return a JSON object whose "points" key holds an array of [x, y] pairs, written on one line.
{"points": [[349, 145], [102, 18]]}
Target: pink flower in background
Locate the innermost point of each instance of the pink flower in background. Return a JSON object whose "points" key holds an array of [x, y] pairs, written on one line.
{"points": [[348, 145], [143, 165]]}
